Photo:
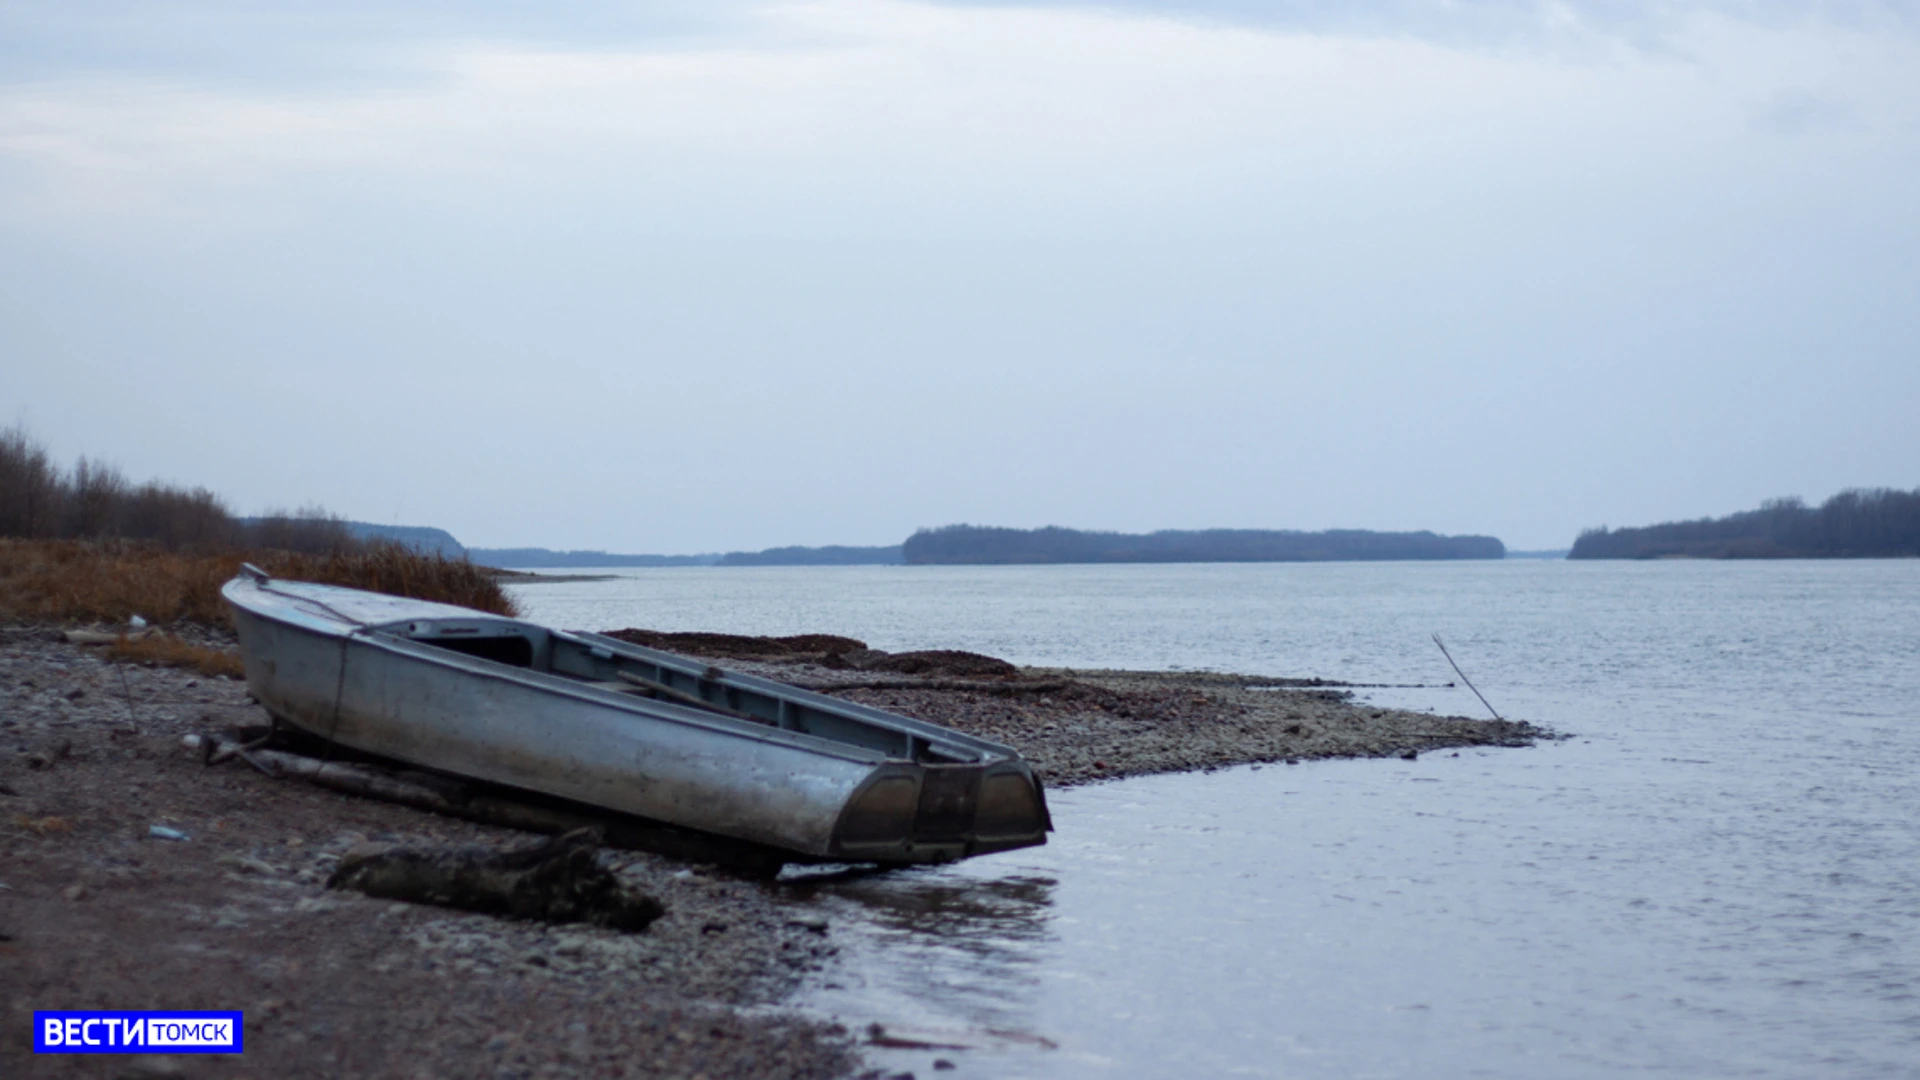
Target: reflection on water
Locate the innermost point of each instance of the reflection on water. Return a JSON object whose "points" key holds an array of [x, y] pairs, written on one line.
{"points": [[947, 955], [1575, 910], [975, 915]]}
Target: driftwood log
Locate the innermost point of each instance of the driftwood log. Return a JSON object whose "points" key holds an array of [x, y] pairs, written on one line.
{"points": [[97, 637], [558, 880], [492, 806]]}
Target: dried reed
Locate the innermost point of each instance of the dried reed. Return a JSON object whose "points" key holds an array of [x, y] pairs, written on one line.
{"points": [[173, 652], [109, 581]]}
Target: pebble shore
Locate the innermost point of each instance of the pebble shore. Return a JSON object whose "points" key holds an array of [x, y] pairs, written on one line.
{"points": [[97, 913], [1081, 726]]}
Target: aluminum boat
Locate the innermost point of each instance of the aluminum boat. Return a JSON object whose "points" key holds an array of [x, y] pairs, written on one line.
{"points": [[592, 719]]}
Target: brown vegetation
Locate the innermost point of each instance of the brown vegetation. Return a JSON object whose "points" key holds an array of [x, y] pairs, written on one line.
{"points": [[109, 581], [86, 546], [401, 571], [173, 652], [739, 646], [826, 650]]}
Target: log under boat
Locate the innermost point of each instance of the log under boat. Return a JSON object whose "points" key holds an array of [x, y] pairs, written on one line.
{"points": [[595, 720]]}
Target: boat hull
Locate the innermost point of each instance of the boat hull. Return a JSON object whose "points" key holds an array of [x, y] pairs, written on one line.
{"points": [[383, 693]]}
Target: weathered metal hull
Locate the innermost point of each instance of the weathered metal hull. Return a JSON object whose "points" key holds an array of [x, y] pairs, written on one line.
{"points": [[818, 777]]}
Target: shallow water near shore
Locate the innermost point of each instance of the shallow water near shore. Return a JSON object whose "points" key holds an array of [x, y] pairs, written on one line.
{"points": [[1718, 875]]}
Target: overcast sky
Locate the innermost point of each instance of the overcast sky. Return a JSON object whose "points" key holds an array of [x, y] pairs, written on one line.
{"points": [[707, 276]]}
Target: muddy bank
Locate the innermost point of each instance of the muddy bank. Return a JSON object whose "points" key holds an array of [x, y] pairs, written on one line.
{"points": [[1078, 726], [96, 913]]}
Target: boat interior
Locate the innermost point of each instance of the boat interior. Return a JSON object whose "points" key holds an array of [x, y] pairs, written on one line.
{"points": [[606, 664]]}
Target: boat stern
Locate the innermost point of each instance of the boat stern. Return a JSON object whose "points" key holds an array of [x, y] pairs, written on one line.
{"points": [[926, 813]]}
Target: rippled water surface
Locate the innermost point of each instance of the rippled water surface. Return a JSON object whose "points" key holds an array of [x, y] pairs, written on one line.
{"points": [[1718, 875]]}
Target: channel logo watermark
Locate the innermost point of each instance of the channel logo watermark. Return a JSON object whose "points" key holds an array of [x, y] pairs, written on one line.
{"points": [[93, 1032]]}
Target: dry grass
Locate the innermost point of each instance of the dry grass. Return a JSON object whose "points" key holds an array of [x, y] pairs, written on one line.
{"points": [[401, 571], [42, 826], [173, 652], [72, 581]]}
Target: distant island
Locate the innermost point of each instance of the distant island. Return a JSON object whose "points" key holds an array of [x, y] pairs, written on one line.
{"points": [[1857, 524], [831, 555], [535, 558], [532, 558], [972, 544]]}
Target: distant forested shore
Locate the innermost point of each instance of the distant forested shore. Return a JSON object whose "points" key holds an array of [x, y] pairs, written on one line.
{"points": [[1858, 524], [831, 555], [539, 558], [972, 544]]}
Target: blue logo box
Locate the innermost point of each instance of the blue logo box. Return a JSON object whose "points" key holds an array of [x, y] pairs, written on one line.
{"points": [[164, 1032]]}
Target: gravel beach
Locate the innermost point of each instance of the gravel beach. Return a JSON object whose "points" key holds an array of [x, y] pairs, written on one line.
{"points": [[1078, 726], [96, 912]]}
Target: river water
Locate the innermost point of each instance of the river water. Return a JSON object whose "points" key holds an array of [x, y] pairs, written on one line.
{"points": [[1718, 874]]}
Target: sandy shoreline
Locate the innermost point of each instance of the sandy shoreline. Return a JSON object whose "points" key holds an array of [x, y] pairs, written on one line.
{"points": [[95, 914]]}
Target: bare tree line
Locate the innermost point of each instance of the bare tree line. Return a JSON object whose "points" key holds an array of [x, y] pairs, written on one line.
{"points": [[94, 500]]}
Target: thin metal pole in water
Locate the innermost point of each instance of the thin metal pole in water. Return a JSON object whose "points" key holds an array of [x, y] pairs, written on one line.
{"points": [[1464, 679]]}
